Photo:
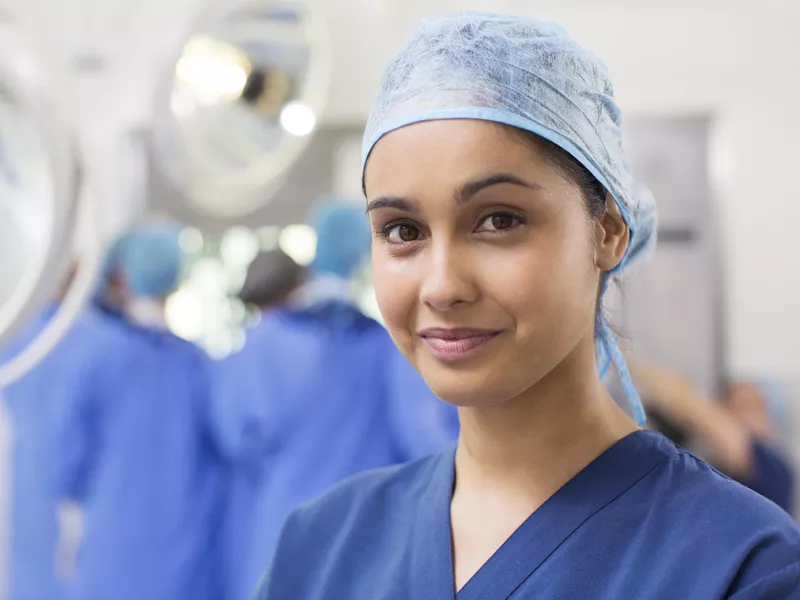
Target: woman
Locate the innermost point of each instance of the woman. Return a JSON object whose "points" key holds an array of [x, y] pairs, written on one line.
{"points": [[492, 249]]}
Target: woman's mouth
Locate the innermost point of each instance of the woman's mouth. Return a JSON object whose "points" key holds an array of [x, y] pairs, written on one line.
{"points": [[456, 344]]}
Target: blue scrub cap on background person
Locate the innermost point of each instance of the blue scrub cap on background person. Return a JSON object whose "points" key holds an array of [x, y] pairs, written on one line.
{"points": [[531, 75], [343, 237], [152, 262]]}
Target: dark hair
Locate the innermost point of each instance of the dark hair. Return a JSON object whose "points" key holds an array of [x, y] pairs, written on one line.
{"points": [[271, 278], [593, 191]]}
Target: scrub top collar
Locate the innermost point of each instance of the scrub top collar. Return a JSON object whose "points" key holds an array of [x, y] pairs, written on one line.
{"points": [[599, 484]]}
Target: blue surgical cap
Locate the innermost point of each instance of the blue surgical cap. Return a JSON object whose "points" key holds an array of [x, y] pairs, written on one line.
{"points": [[151, 262], [343, 237], [527, 74]]}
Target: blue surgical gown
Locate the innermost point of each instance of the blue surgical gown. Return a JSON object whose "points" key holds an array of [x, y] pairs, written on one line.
{"points": [[32, 403], [315, 396], [644, 521], [138, 456]]}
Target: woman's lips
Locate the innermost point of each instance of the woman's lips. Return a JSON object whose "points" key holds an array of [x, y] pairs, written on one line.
{"points": [[456, 344]]}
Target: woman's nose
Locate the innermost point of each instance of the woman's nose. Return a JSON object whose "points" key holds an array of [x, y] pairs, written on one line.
{"points": [[448, 282]]}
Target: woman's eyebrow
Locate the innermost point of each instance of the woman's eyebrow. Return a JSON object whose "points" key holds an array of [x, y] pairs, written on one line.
{"points": [[395, 202], [471, 188], [467, 192]]}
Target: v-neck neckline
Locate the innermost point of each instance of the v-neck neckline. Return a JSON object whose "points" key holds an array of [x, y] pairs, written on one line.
{"points": [[601, 482]]}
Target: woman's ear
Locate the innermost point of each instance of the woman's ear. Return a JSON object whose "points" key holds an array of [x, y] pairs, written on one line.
{"points": [[612, 236]]}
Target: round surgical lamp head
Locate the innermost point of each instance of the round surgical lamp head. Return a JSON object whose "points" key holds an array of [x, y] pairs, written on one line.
{"points": [[241, 105], [38, 185], [40, 203]]}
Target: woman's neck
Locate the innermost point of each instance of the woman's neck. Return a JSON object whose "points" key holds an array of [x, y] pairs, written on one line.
{"points": [[534, 444]]}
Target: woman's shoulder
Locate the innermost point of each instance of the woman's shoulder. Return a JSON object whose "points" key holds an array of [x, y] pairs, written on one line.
{"points": [[694, 485], [361, 519], [364, 502], [709, 514]]}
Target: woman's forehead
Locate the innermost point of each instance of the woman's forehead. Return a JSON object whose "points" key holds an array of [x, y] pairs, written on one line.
{"points": [[448, 154]]}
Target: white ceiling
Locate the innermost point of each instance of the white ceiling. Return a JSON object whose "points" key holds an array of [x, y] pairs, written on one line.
{"points": [[115, 50], [108, 28]]}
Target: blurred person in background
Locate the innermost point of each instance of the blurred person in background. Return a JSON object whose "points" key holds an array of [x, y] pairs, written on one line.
{"points": [[135, 449], [31, 403], [34, 403], [327, 393], [272, 278], [739, 433]]}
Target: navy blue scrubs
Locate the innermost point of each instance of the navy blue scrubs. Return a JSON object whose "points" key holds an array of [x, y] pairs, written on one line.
{"points": [[772, 475], [645, 520]]}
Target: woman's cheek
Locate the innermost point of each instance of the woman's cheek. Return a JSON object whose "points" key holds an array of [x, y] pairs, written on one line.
{"points": [[517, 279], [395, 293]]}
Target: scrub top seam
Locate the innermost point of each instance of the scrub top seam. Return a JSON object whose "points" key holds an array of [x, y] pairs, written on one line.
{"points": [[590, 516]]}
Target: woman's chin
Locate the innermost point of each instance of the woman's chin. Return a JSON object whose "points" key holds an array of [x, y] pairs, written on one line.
{"points": [[468, 392]]}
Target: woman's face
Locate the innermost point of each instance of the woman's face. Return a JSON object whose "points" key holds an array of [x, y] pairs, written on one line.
{"points": [[485, 263]]}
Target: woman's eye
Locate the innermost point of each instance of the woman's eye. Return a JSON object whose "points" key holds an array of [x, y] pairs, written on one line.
{"points": [[402, 233], [499, 222]]}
